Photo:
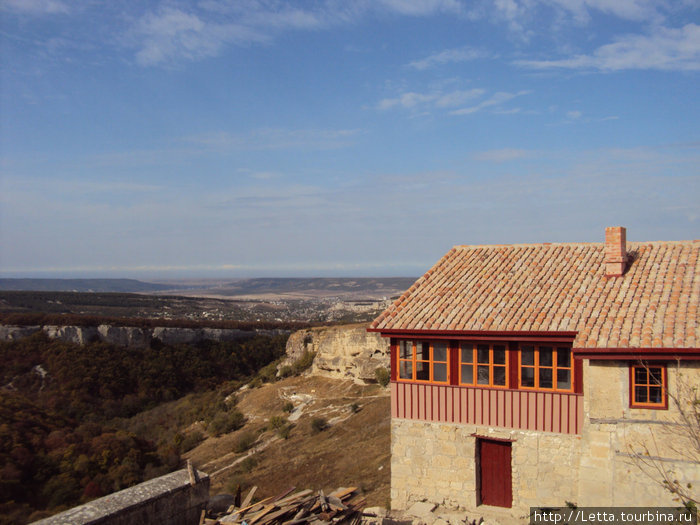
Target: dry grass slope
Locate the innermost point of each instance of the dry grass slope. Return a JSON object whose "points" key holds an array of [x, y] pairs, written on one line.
{"points": [[354, 449]]}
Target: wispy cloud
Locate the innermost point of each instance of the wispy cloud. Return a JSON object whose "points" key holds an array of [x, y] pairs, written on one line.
{"points": [[276, 138], [35, 7], [496, 100], [501, 155], [438, 99], [462, 54], [172, 34], [667, 49]]}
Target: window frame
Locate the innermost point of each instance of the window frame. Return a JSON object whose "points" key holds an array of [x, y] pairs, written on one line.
{"points": [[554, 367], [431, 361], [663, 404], [491, 365]]}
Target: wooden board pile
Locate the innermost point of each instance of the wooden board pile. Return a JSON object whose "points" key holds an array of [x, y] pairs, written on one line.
{"points": [[343, 507]]}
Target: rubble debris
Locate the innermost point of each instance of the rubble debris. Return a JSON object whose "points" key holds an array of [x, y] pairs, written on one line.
{"points": [[342, 506]]}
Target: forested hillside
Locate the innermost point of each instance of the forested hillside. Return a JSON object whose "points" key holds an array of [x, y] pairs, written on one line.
{"points": [[60, 404]]}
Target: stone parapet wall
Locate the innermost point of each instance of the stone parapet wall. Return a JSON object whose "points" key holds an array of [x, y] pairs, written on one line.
{"points": [[170, 499], [342, 352]]}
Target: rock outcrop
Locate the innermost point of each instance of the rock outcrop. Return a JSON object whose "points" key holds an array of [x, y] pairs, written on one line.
{"points": [[342, 352], [130, 336]]}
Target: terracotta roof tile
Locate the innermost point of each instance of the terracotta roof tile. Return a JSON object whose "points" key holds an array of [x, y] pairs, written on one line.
{"points": [[559, 287]]}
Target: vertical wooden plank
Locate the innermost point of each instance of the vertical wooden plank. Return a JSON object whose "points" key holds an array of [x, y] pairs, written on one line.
{"points": [[394, 400]]}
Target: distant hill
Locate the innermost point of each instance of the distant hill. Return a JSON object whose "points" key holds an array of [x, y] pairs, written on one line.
{"points": [[372, 286], [82, 285]]}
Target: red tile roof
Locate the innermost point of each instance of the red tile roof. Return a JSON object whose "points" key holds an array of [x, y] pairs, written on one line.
{"points": [[559, 288]]}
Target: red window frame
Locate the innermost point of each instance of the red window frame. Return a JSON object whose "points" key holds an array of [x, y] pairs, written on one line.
{"points": [[477, 362], [417, 359], [538, 366], [642, 384]]}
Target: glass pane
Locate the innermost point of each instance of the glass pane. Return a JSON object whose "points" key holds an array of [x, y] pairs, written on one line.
{"points": [[482, 353], [439, 372], [564, 357], [467, 353], [640, 394], [564, 379], [546, 378], [439, 351], [482, 375], [499, 375], [527, 356], [655, 394], [655, 376], [406, 349], [545, 356], [405, 370], [468, 374], [423, 351], [527, 376], [499, 355], [422, 371], [640, 376]]}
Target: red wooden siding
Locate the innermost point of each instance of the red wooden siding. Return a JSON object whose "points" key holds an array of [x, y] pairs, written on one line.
{"points": [[495, 473], [557, 412]]}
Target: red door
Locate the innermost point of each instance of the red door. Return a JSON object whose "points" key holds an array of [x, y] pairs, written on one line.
{"points": [[496, 481]]}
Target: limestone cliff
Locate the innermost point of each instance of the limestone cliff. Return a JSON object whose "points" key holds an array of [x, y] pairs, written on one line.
{"points": [[343, 352], [129, 336]]}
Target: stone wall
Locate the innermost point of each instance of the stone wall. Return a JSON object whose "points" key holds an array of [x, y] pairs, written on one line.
{"points": [[609, 474], [342, 352], [129, 336], [170, 499], [438, 461]]}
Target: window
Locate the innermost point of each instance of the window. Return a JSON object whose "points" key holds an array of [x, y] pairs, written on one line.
{"points": [[423, 361], [483, 364], [648, 386], [545, 368]]}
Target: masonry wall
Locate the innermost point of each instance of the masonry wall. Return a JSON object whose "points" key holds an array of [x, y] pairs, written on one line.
{"points": [[437, 462], [613, 432], [170, 499]]}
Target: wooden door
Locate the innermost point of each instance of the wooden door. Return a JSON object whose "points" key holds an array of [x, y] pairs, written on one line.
{"points": [[495, 473]]}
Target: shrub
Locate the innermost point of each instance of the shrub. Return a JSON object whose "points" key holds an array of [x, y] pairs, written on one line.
{"points": [[318, 424], [268, 373], [285, 371], [288, 407], [249, 463], [284, 431], [354, 408], [382, 375], [304, 362], [276, 422], [225, 422], [244, 442], [190, 441]]}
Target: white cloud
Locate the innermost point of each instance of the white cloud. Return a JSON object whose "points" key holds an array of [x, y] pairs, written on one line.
{"points": [[35, 7], [276, 139], [667, 49], [422, 7], [412, 100], [173, 34], [462, 54], [495, 100], [573, 115], [501, 155]]}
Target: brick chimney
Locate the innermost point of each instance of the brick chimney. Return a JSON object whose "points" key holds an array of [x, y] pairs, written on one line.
{"points": [[615, 251]]}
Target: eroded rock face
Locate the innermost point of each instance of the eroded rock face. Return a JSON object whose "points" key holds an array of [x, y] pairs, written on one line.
{"points": [[342, 352], [130, 336]]}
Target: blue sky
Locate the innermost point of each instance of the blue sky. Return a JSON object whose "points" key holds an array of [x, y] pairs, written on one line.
{"points": [[162, 139]]}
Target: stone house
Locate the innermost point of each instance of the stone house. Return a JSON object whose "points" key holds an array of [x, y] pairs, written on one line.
{"points": [[534, 375]]}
